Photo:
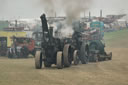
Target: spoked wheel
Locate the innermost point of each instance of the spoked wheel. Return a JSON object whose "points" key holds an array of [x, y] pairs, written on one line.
{"points": [[59, 60], [38, 60], [75, 58], [67, 56]]}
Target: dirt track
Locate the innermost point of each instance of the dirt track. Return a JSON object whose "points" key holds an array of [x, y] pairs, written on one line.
{"points": [[23, 72]]}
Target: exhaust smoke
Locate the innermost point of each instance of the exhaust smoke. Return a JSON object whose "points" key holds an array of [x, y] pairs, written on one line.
{"points": [[48, 6], [71, 8]]}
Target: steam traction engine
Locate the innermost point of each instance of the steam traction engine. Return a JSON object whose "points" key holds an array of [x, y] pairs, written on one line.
{"points": [[54, 50], [96, 46], [89, 43]]}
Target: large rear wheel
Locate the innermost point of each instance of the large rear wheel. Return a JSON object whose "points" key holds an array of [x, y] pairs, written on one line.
{"points": [[59, 60], [66, 55], [38, 60]]}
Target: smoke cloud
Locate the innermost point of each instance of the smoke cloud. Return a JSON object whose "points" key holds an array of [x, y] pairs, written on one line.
{"points": [[48, 6], [71, 8], [63, 29]]}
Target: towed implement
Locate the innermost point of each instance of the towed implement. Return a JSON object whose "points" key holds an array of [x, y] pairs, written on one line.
{"points": [[97, 51], [54, 50]]}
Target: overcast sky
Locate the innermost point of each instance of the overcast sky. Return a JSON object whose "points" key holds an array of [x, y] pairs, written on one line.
{"points": [[10, 9]]}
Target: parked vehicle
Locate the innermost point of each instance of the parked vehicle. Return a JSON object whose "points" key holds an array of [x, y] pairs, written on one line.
{"points": [[21, 47]]}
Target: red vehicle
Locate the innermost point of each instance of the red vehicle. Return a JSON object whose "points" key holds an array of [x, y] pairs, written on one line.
{"points": [[21, 47]]}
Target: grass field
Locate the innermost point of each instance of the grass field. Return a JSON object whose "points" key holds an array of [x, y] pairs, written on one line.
{"points": [[114, 72], [117, 39]]}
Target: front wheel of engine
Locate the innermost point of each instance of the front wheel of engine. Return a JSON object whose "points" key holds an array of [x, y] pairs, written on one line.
{"points": [[38, 60], [66, 55], [59, 60]]}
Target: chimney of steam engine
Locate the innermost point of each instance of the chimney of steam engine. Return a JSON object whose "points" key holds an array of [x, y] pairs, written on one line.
{"points": [[101, 15]]}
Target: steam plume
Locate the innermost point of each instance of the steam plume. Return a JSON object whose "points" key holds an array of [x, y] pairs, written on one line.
{"points": [[73, 8], [48, 6]]}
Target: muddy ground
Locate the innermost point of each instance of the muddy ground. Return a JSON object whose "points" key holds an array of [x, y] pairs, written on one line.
{"points": [[114, 72]]}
